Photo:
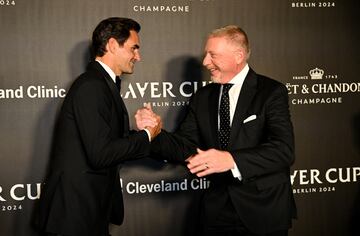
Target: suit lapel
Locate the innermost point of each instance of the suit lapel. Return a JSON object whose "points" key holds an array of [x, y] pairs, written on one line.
{"points": [[120, 105], [246, 95], [213, 113]]}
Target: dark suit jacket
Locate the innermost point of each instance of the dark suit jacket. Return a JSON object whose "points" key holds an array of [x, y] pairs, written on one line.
{"points": [[263, 150], [82, 193]]}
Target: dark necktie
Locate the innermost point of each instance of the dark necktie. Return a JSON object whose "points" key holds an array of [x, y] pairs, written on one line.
{"points": [[118, 83], [224, 131]]}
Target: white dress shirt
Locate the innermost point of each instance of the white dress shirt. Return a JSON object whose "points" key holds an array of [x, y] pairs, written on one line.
{"points": [[108, 70], [234, 93]]}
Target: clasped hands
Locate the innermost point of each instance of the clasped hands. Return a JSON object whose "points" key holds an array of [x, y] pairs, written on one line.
{"points": [[146, 119], [203, 163]]}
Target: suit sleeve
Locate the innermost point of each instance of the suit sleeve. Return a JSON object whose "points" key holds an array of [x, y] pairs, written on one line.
{"points": [[94, 116], [275, 151], [182, 144]]}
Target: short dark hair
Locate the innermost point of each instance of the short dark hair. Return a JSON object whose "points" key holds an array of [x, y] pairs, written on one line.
{"points": [[113, 27]]}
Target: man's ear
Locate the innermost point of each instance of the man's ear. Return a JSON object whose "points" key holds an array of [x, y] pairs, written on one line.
{"points": [[112, 45], [239, 56]]}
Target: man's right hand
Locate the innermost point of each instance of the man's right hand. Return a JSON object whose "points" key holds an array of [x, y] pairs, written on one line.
{"points": [[146, 119]]}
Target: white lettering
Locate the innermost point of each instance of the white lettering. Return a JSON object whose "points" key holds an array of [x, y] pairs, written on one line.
{"points": [[154, 88], [182, 92], [167, 89], [347, 174], [136, 187], [142, 88], [201, 183], [161, 8], [12, 93], [1, 198], [356, 173], [327, 175], [37, 193], [12, 192], [43, 92]]}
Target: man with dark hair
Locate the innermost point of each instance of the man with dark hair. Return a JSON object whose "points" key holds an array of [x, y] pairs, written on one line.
{"points": [[238, 133], [82, 192]]}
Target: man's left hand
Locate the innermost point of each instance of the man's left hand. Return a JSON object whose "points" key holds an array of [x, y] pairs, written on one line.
{"points": [[209, 162]]}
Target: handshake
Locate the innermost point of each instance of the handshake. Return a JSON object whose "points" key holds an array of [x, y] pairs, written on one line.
{"points": [[203, 163], [146, 119]]}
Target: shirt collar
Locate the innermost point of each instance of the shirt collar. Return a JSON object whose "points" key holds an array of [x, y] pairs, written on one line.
{"points": [[240, 77], [108, 70]]}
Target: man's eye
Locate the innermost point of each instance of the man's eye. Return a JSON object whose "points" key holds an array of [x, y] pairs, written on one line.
{"points": [[133, 48]]}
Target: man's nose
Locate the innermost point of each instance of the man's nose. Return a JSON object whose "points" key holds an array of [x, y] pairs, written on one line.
{"points": [[137, 56], [206, 60]]}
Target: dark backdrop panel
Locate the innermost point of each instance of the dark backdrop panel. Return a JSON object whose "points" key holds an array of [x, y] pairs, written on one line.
{"points": [[312, 47]]}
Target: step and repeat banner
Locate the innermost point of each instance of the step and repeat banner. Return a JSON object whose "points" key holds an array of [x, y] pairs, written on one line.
{"points": [[310, 46]]}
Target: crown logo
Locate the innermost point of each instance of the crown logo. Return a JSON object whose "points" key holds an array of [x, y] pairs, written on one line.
{"points": [[316, 73]]}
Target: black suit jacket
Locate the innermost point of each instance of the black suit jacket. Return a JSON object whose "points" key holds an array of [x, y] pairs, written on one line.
{"points": [[82, 193], [263, 150]]}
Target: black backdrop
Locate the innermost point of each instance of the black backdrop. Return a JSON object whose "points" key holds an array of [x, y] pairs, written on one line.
{"points": [[311, 46]]}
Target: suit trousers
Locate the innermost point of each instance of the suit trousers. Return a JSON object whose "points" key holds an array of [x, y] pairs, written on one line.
{"points": [[228, 223]]}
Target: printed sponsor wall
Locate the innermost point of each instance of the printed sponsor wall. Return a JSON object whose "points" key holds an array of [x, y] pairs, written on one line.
{"points": [[310, 46]]}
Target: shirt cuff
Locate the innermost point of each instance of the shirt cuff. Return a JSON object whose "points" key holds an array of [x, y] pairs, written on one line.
{"points": [[148, 134], [236, 172]]}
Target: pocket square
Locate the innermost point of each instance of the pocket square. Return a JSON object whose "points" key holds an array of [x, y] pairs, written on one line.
{"points": [[250, 118]]}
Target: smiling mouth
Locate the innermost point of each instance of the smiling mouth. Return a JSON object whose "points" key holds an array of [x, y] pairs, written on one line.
{"points": [[212, 70]]}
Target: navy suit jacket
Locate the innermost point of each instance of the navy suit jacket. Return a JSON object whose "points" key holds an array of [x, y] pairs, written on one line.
{"points": [[263, 150], [82, 192]]}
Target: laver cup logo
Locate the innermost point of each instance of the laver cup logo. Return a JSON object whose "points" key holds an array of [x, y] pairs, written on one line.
{"points": [[162, 94], [161, 89], [319, 181], [11, 197], [20, 192]]}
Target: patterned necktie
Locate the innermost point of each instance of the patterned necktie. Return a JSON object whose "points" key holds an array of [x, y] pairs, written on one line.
{"points": [[118, 83], [224, 131]]}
